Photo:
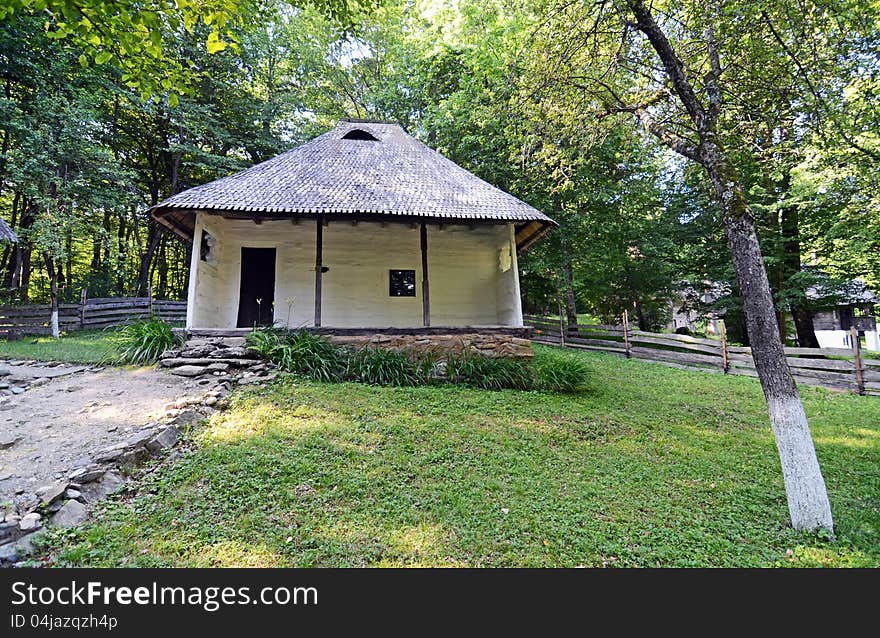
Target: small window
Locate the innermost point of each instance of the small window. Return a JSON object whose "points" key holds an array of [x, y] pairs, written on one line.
{"points": [[360, 134], [402, 283], [206, 247]]}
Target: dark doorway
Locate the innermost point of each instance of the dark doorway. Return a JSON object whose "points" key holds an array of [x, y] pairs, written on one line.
{"points": [[255, 302]]}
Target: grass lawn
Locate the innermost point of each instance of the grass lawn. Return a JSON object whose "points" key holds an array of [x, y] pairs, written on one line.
{"points": [[649, 466], [86, 346]]}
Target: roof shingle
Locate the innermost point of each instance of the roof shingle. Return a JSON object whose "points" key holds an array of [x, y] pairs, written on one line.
{"points": [[330, 175]]}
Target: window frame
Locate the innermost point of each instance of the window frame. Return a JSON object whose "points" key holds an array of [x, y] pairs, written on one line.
{"points": [[403, 290]]}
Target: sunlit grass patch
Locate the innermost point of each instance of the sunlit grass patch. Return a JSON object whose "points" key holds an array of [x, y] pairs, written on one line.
{"points": [[237, 553], [84, 346]]}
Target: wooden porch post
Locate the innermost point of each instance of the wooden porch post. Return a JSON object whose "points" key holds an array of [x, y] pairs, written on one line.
{"points": [[319, 239], [426, 305]]}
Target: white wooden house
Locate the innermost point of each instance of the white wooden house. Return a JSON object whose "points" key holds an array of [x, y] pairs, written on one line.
{"points": [[362, 229]]}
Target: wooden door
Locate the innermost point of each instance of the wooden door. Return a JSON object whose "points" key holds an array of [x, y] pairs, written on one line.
{"points": [[257, 294]]}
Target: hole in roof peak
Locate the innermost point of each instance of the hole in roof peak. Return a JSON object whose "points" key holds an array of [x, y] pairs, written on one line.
{"points": [[360, 134]]}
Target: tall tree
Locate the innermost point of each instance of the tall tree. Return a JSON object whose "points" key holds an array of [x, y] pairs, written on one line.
{"points": [[704, 106]]}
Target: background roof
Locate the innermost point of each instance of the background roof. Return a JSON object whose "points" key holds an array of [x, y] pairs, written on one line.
{"points": [[7, 235], [391, 175]]}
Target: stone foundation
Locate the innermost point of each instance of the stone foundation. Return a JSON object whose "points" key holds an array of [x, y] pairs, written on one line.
{"points": [[486, 344], [207, 347], [223, 353]]}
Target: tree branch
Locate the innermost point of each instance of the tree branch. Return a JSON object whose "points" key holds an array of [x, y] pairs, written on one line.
{"points": [[669, 139], [672, 65], [711, 79]]}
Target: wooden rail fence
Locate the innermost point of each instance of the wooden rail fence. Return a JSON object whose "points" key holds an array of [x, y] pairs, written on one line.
{"points": [[837, 368], [100, 312]]}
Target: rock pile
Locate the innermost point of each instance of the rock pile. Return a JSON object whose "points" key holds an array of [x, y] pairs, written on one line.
{"points": [[222, 357]]}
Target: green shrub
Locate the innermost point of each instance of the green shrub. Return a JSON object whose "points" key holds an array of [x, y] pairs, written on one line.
{"points": [[144, 342], [314, 357], [490, 373], [557, 372], [301, 352], [377, 366], [264, 341]]}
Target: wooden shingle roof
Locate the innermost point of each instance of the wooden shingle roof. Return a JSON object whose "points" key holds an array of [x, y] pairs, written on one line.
{"points": [[346, 174]]}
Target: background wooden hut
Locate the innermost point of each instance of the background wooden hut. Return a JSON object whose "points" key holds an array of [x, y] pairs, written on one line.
{"points": [[842, 307], [7, 235]]}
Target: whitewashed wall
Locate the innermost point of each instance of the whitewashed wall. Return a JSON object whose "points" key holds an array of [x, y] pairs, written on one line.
{"points": [[355, 289], [833, 339], [472, 272]]}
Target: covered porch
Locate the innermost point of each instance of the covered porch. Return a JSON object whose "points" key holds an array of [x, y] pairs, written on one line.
{"points": [[364, 274]]}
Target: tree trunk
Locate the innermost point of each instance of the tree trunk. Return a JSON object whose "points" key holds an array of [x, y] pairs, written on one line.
{"points": [[162, 268], [803, 324], [68, 267], [120, 256], [803, 318], [640, 316], [95, 264], [780, 325], [571, 314], [804, 485], [28, 212], [53, 293], [24, 272], [153, 237]]}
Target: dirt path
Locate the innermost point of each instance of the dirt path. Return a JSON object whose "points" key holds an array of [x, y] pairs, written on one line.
{"points": [[54, 427]]}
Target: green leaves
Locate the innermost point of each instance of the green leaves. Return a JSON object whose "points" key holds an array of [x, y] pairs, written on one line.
{"points": [[214, 44], [143, 40], [143, 342]]}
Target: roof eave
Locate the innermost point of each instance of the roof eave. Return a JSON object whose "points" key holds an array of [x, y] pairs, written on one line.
{"points": [[528, 233], [175, 220]]}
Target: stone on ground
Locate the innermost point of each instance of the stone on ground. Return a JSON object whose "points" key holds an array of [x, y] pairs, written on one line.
{"points": [[29, 522], [70, 515]]}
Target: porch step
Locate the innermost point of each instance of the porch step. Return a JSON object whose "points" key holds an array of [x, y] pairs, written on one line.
{"points": [[225, 357], [173, 362]]}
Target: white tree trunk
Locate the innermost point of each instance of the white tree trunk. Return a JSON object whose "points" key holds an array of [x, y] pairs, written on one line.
{"points": [[804, 486], [805, 489], [53, 323], [808, 502]]}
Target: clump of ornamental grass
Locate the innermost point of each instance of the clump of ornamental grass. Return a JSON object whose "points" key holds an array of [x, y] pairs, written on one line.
{"points": [[143, 342], [558, 372], [377, 366], [300, 352], [490, 373]]}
